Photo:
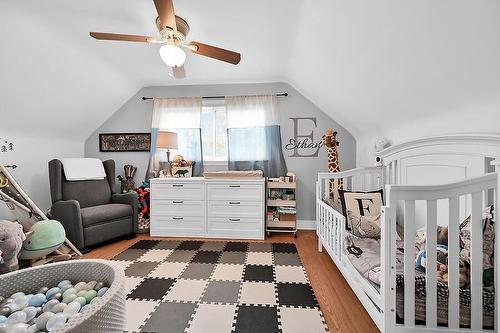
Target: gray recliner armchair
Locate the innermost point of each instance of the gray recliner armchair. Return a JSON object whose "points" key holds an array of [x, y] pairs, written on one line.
{"points": [[90, 211]]}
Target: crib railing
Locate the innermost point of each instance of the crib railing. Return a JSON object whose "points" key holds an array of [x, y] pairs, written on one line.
{"points": [[331, 225], [469, 195], [359, 179]]}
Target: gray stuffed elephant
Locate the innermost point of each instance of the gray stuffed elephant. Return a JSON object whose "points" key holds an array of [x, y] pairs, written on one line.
{"points": [[11, 241]]}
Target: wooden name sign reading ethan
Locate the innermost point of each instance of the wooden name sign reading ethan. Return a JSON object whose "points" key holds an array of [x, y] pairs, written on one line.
{"points": [[301, 142]]}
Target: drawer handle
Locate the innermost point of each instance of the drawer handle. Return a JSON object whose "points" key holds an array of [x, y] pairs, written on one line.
{"points": [[234, 202], [178, 202], [177, 185], [234, 186], [234, 220], [178, 218]]}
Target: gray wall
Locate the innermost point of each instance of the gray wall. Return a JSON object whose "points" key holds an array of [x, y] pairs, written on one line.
{"points": [[135, 116]]}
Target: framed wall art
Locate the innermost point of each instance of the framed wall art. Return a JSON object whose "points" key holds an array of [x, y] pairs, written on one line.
{"points": [[117, 142]]}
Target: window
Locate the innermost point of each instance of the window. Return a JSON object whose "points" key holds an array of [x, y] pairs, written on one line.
{"points": [[214, 132]]}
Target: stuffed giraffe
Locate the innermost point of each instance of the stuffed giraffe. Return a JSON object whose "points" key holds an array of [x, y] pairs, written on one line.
{"points": [[331, 143]]}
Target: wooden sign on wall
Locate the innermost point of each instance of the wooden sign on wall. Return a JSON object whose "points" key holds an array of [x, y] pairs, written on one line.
{"points": [[116, 142]]}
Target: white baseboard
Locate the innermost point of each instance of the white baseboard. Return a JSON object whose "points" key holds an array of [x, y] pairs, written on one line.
{"points": [[306, 224]]}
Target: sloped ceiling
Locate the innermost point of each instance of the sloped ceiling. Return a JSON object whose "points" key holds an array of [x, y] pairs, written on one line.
{"points": [[371, 65]]}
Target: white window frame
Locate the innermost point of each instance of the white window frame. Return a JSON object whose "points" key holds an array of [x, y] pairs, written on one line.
{"points": [[214, 103]]}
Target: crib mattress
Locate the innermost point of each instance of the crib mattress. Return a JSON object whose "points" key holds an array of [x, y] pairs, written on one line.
{"points": [[368, 265]]}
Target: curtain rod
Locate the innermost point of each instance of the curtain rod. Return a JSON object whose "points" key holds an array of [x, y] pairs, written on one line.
{"points": [[220, 97]]}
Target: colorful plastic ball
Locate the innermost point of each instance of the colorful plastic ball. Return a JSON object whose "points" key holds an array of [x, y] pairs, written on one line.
{"points": [[70, 291], [59, 307], [102, 291], [37, 300], [31, 312], [5, 311], [66, 287], [41, 320], [42, 290], [63, 283], [17, 317], [48, 306], [55, 322], [18, 328], [72, 309], [89, 295], [70, 298], [81, 300], [52, 291]]}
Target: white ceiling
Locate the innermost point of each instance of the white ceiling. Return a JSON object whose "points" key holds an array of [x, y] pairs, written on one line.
{"points": [[371, 65]]}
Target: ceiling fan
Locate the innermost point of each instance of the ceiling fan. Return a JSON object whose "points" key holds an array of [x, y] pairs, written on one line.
{"points": [[173, 30]]}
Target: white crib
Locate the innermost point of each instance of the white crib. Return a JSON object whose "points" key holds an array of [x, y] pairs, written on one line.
{"points": [[432, 181]]}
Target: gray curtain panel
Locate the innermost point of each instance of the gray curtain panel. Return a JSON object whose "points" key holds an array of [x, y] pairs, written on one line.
{"points": [[257, 148]]}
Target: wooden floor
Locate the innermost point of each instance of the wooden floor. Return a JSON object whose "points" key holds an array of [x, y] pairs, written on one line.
{"points": [[342, 310]]}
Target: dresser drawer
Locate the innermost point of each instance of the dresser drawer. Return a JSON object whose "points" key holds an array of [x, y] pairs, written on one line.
{"points": [[177, 226], [235, 208], [238, 227], [174, 207], [178, 191], [242, 192]]}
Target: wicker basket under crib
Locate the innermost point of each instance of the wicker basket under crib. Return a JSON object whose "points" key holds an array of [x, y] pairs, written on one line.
{"points": [[107, 315]]}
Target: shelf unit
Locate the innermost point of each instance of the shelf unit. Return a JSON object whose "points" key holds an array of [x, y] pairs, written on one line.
{"points": [[286, 222]]}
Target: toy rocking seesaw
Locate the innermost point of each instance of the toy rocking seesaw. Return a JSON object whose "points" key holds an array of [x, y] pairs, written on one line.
{"points": [[46, 241]]}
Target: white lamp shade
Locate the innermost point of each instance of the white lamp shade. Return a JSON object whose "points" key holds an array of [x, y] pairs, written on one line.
{"points": [[166, 140], [172, 55]]}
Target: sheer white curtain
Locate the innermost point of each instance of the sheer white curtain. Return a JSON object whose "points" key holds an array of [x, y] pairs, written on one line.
{"points": [[254, 135], [182, 116]]}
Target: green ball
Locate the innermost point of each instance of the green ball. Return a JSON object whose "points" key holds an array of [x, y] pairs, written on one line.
{"points": [[81, 293], [89, 295], [81, 300], [69, 291]]}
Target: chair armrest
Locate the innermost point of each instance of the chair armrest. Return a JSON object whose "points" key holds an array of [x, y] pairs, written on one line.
{"points": [[129, 198], [68, 213]]}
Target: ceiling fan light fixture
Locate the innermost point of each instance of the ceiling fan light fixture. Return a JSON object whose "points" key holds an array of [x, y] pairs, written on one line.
{"points": [[172, 55]]}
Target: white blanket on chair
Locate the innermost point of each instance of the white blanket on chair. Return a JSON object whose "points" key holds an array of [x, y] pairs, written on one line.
{"points": [[83, 169]]}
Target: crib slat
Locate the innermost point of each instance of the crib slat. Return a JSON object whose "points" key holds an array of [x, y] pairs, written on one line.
{"points": [[453, 252], [409, 263], [476, 262], [431, 287]]}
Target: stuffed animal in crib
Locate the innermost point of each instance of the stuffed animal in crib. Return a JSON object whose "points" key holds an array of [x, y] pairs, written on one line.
{"points": [[441, 257], [463, 270], [421, 237], [11, 242], [42, 239]]}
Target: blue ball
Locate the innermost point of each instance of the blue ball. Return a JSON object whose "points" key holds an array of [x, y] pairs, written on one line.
{"points": [[37, 300], [52, 291], [3, 319]]}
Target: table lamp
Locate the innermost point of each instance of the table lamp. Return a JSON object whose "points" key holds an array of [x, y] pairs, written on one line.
{"points": [[167, 140]]}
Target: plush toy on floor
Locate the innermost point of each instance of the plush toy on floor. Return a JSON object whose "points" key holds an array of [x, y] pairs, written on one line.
{"points": [[43, 238], [11, 241]]}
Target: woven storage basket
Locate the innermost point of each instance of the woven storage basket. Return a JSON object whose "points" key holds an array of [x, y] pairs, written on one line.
{"points": [[106, 315]]}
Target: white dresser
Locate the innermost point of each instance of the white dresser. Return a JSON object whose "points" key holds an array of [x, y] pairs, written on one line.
{"points": [[199, 207]]}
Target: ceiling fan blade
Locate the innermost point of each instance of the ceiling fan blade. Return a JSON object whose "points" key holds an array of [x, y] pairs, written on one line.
{"points": [[122, 37], [178, 72], [215, 52], [165, 9]]}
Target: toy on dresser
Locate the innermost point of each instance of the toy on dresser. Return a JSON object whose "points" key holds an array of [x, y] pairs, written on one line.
{"points": [[11, 242], [181, 167]]}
